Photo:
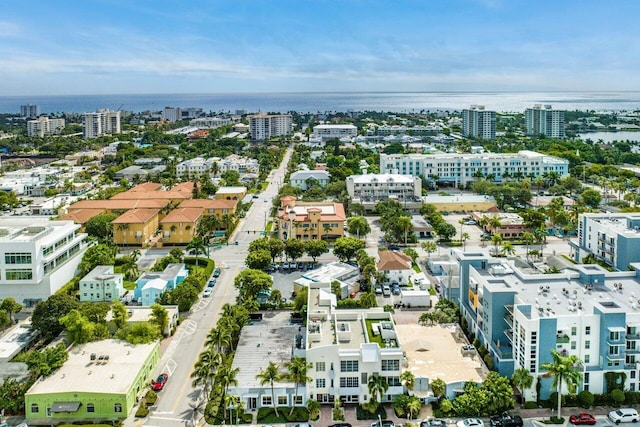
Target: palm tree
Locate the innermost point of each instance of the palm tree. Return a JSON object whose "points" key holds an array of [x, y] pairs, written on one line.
{"points": [[541, 237], [527, 237], [508, 249], [563, 369], [297, 368], [404, 223], [135, 255], [359, 225], [228, 375], [495, 223], [378, 386], [197, 246], [461, 222], [413, 407], [270, 375], [218, 338], [464, 237], [130, 269], [496, 239], [522, 379], [408, 380], [429, 247], [205, 369]]}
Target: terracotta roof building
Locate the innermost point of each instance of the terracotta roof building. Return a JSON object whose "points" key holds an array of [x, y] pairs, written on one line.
{"points": [[135, 227], [310, 221], [179, 226]]}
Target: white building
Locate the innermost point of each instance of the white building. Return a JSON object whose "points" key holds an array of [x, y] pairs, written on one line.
{"points": [[462, 168], [44, 126], [38, 256], [172, 114], [479, 123], [30, 111], [264, 126], [334, 131], [384, 186], [396, 266], [210, 122], [543, 120], [102, 122], [101, 284], [194, 167], [240, 164]]}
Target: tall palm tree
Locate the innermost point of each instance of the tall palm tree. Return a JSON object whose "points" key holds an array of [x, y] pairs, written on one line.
{"points": [[228, 375], [198, 247], [404, 223], [204, 370], [527, 237], [218, 338], [270, 375], [522, 379], [408, 380], [378, 386], [135, 255], [297, 372], [508, 249], [496, 239], [461, 222], [564, 369], [464, 237], [495, 223], [413, 407]]}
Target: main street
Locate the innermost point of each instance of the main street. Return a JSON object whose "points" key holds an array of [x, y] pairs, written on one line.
{"points": [[180, 403]]}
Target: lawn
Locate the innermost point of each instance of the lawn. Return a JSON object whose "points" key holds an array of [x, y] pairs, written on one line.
{"points": [[416, 268]]}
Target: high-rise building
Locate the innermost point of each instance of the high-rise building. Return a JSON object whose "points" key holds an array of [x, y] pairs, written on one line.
{"points": [[172, 114], [102, 122], [44, 126], [543, 120], [479, 123], [30, 111], [264, 126]]}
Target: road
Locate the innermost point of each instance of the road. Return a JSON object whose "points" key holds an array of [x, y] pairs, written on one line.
{"points": [[178, 403]]}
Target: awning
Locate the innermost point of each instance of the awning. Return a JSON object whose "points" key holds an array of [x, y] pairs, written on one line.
{"points": [[65, 406], [617, 329]]}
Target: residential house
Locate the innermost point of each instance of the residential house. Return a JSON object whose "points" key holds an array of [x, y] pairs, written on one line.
{"points": [[231, 193], [168, 279], [307, 178], [101, 285], [217, 207], [396, 266], [135, 227]]}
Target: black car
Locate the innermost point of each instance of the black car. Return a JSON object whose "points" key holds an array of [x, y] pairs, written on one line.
{"points": [[506, 420], [340, 425], [433, 423]]}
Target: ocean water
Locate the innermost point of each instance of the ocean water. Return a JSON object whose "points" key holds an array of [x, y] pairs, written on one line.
{"points": [[325, 102]]}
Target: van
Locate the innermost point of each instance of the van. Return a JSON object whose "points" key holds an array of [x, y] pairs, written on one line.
{"points": [[386, 291], [624, 415]]}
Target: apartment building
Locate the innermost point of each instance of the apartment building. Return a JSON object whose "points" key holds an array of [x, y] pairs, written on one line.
{"points": [[135, 227], [334, 131], [462, 168], [210, 122], [584, 311], [264, 126], [180, 225], [376, 187], [305, 178], [309, 221], [612, 238], [172, 114], [479, 123], [102, 122], [544, 120], [194, 167], [37, 257], [101, 284], [44, 126], [30, 111]]}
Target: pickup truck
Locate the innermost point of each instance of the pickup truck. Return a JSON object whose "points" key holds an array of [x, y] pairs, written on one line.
{"points": [[506, 420]]}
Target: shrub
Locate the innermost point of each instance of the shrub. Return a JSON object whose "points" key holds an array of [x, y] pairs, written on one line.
{"points": [[151, 397], [488, 360], [142, 410], [586, 399], [363, 414], [556, 420], [617, 396], [632, 397], [530, 405]]}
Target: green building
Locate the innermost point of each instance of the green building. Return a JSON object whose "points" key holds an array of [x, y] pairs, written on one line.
{"points": [[100, 380]]}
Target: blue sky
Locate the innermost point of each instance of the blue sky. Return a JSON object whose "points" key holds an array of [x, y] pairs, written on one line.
{"points": [[139, 46]]}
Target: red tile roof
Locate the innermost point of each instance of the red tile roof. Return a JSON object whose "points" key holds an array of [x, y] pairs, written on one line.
{"points": [[390, 260], [136, 216], [183, 215]]}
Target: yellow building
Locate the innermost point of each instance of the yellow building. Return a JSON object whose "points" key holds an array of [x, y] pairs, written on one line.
{"points": [[309, 221], [179, 226], [217, 208], [135, 227], [231, 193]]}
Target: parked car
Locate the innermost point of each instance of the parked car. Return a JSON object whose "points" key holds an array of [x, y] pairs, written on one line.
{"points": [[624, 415], [470, 422], [582, 419], [393, 247], [207, 292], [285, 266], [506, 420], [436, 422], [212, 283], [378, 290], [340, 425], [216, 272], [383, 423], [255, 196], [395, 290], [469, 222], [386, 291], [159, 383], [293, 265]]}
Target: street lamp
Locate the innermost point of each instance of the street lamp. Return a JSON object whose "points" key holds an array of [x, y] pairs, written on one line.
{"points": [[379, 420]]}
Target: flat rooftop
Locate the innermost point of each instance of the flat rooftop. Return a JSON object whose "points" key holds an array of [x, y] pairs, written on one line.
{"points": [[332, 271], [269, 340], [81, 374], [15, 339], [436, 198], [31, 228], [433, 352], [620, 224]]}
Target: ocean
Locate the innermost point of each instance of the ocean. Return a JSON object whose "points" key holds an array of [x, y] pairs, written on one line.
{"points": [[325, 102]]}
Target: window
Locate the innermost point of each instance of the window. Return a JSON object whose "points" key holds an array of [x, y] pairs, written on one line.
{"points": [[19, 274], [34, 408], [348, 366], [574, 330], [587, 330], [282, 400], [91, 407], [266, 400], [587, 358], [614, 335], [117, 407], [587, 345], [320, 383], [320, 366], [573, 345], [17, 258], [349, 382], [298, 400], [390, 365]]}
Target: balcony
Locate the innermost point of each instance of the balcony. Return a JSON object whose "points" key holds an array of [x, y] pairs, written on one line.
{"points": [[509, 320], [634, 336], [502, 351], [509, 308], [509, 334], [562, 339], [632, 350]]}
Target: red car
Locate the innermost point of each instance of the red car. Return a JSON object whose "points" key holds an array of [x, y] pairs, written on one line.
{"points": [[160, 382], [583, 418]]}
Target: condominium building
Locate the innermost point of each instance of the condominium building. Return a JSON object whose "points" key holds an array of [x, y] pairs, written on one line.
{"points": [[309, 221], [612, 238], [194, 167], [479, 123], [464, 168], [101, 284], [44, 126], [543, 120], [30, 111], [264, 126], [102, 122], [37, 257], [584, 311], [376, 187], [210, 122], [334, 131], [172, 114]]}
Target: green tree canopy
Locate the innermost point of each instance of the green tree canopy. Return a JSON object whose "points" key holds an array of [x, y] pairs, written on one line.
{"points": [[46, 316], [100, 225], [258, 259], [345, 248], [250, 282]]}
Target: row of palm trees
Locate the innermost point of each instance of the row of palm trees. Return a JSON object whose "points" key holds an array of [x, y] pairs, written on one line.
{"points": [[296, 372]]}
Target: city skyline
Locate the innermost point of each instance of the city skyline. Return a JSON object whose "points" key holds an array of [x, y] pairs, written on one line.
{"points": [[115, 46]]}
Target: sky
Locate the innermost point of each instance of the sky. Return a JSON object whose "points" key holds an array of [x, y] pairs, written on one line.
{"points": [[70, 47]]}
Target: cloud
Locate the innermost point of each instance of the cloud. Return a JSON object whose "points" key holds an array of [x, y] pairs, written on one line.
{"points": [[10, 30]]}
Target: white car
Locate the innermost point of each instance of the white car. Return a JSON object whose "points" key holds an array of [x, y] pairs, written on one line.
{"points": [[624, 415], [470, 422], [207, 292]]}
